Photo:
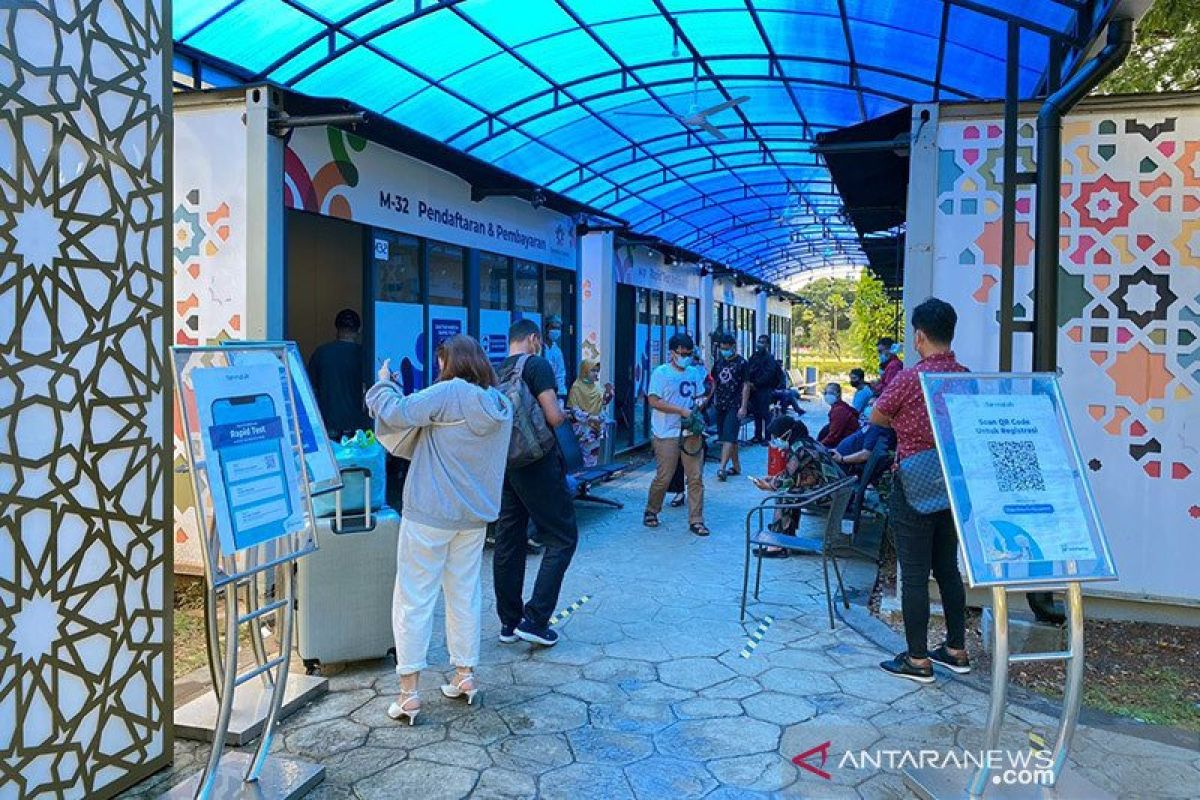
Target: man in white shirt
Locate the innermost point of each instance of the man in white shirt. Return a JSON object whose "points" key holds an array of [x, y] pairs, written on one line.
{"points": [[676, 400]]}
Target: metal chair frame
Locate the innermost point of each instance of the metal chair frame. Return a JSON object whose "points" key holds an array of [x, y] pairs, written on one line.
{"points": [[838, 493]]}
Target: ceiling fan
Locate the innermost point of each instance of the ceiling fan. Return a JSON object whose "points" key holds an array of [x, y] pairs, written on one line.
{"points": [[695, 117]]}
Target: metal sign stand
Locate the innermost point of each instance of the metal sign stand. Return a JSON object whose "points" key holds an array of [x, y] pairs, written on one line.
{"points": [[1036, 531], [241, 775], [934, 784]]}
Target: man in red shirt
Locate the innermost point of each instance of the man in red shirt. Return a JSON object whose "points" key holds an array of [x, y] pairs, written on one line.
{"points": [[924, 542], [890, 364], [843, 419]]}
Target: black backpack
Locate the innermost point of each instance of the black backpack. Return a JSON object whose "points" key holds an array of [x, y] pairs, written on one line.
{"points": [[532, 437]]}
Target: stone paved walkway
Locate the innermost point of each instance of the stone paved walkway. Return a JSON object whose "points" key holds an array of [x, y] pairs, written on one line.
{"points": [[646, 695]]}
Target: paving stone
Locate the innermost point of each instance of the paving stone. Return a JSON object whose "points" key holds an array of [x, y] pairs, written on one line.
{"points": [[531, 754], [884, 786], [779, 709], [766, 772], [637, 649], [596, 746], [846, 733], [735, 689], [328, 738], [631, 716], [515, 695], [482, 727], [585, 782], [362, 762], [362, 675], [874, 684], [591, 691], [331, 706], [460, 754], [717, 738], [331, 791], [614, 670], [543, 674], [659, 778], [504, 784], [798, 658], [424, 779], [694, 673], [399, 736], [570, 651], [734, 793], [592, 630], [551, 713], [798, 682], [653, 691], [706, 708]]}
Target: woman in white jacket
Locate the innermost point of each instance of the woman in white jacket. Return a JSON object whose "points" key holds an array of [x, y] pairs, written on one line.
{"points": [[451, 493]]}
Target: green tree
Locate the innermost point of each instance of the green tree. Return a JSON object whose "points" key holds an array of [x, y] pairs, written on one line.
{"points": [[822, 319], [1166, 52], [872, 315]]}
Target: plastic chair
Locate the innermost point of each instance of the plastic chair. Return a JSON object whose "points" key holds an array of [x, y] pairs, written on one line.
{"points": [[838, 494]]}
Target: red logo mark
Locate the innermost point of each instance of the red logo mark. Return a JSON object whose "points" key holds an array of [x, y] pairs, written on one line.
{"points": [[802, 760]]}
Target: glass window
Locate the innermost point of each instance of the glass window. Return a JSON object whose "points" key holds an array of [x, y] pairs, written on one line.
{"points": [[446, 285], [495, 275], [525, 286], [397, 267], [669, 313]]}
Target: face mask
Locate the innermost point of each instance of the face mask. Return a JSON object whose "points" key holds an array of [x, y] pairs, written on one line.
{"points": [[779, 444], [831, 398], [683, 362], [762, 348], [727, 352], [553, 335]]}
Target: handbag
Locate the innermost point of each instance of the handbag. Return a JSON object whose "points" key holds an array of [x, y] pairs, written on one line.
{"points": [[923, 482], [402, 442]]}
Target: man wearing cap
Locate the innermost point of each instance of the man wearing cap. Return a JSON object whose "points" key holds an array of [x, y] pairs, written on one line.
{"points": [[552, 352], [337, 373]]}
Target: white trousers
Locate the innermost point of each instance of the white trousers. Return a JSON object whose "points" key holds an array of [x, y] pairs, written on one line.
{"points": [[426, 558]]}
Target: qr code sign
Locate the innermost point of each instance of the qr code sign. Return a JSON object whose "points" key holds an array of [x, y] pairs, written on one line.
{"points": [[1016, 465]]}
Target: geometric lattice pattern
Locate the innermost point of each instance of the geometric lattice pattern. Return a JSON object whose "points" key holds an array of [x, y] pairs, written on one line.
{"points": [[83, 611], [1129, 294]]}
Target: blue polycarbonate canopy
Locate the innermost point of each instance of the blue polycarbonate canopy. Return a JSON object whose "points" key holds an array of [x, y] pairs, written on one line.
{"points": [[604, 100]]}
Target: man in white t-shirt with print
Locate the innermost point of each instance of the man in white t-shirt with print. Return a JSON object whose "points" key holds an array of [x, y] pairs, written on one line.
{"points": [[676, 393]]}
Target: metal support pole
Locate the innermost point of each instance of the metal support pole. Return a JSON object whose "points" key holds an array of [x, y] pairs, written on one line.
{"points": [[995, 721], [1073, 688], [205, 785], [1008, 206], [281, 673], [1049, 180]]}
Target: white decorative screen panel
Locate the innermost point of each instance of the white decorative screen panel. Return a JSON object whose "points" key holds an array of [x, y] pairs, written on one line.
{"points": [[84, 559]]}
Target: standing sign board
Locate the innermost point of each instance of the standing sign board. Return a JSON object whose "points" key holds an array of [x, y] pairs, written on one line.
{"points": [[1018, 489], [1026, 521]]}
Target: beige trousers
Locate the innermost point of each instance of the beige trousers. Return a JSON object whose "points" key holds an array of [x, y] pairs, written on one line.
{"points": [[668, 453]]}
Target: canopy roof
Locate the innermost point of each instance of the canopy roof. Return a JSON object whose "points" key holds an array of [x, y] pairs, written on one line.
{"points": [[577, 95]]}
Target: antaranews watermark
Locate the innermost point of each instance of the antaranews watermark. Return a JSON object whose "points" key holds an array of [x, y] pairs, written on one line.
{"points": [[1007, 767]]}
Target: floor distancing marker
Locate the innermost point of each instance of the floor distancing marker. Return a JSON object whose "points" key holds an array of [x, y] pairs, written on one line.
{"points": [[1038, 741], [756, 637], [569, 610]]}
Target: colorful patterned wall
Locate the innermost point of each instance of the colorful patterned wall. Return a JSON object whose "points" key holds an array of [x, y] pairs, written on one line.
{"points": [[85, 613], [209, 260], [1129, 311]]}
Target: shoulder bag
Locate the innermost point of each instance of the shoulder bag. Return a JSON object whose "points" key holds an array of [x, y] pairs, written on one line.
{"points": [[924, 484]]}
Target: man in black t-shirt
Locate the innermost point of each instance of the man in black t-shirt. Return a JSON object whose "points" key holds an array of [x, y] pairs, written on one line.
{"points": [[536, 491], [336, 372], [731, 392], [763, 374]]}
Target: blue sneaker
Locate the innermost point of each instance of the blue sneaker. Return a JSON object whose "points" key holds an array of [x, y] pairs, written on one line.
{"points": [[544, 635], [508, 634]]}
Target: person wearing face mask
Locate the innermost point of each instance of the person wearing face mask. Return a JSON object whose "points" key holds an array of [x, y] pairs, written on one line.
{"points": [[677, 397], [924, 542], [731, 399], [585, 405], [552, 352], [843, 419], [863, 394], [890, 364], [763, 372], [807, 466]]}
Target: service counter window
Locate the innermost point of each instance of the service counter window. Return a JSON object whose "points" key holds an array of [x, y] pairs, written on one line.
{"points": [[642, 370], [558, 294], [447, 293], [527, 291], [399, 310]]}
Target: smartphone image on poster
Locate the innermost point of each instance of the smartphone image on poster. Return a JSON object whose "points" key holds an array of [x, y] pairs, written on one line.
{"points": [[247, 435]]}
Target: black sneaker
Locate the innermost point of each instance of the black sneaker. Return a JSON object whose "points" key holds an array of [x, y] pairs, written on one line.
{"points": [[721, 475], [544, 635], [508, 634], [903, 667], [943, 656]]}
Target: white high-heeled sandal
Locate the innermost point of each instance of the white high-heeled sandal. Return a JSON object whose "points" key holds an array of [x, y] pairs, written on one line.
{"points": [[400, 711], [456, 687]]}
